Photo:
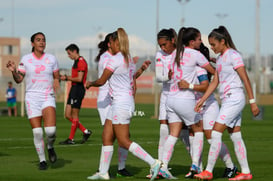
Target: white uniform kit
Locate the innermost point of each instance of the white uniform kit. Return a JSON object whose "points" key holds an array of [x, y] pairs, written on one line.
{"points": [[39, 82]]}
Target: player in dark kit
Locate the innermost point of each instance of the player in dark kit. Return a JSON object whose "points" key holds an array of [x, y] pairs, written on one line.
{"points": [[76, 94]]}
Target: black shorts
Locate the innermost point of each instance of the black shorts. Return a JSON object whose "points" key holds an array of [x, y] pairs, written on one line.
{"points": [[76, 96]]}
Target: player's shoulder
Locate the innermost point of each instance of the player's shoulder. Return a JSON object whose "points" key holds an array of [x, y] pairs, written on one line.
{"points": [[232, 54], [27, 56]]}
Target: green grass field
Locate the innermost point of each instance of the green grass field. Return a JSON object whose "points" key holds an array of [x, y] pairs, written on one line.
{"points": [[19, 161]]}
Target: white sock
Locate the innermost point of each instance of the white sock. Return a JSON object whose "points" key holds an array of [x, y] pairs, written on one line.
{"points": [[51, 136], [105, 158], [184, 136], [168, 150], [215, 147], [163, 135], [191, 144], [139, 152], [225, 156], [122, 156], [240, 150], [39, 143], [197, 147]]}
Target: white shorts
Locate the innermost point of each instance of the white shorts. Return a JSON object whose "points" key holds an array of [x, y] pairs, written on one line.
{"points": [[230, 112], [103, 106], [162, 107], [179, 109], [121, 113], [209, 114], [35, 103]]}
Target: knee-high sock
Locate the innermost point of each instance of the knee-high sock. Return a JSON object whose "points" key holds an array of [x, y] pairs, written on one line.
{"points": [[50, 135], [163, 135], [139, 152], [168, 150], [74, 127], [79, 124], [105, 158], [122, 157], [39, 143], [224, 155], [81, 127], [215, 147], [191, 144], [240, 150], [197, 147], [184, 136]]}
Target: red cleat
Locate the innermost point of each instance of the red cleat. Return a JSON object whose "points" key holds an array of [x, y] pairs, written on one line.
{"points": [[205, 175], [242, 176]]}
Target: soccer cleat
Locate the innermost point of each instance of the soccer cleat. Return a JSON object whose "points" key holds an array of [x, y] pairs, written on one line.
{"points": [[86, 136], [205, 175], [43, 165], [191, 174], [242, 176], [150, 176], [99, 176], [124, 173], [229, 173], [67, 142], [155, 169], [165, 173], [52, 155]]}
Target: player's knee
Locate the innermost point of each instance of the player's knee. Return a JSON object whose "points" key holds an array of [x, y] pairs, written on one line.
{"points": [[37, 133], [50, 131]]}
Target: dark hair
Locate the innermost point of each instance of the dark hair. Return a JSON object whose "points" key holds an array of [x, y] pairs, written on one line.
{"points": [[32, 38], [103, 46], [9, 82], [221, 33], [73, 47], [205, 51], [168, 34], [185, 35]]}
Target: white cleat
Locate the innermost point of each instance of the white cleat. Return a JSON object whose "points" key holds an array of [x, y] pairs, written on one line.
{"points": [[155, 169], [164, 172], [99, 176]]}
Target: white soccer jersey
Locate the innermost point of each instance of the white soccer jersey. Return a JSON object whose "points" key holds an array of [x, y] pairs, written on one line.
{"points": [[121, 81], [39, 73], [186, 71], [162, 66], [230, 84], [104, 58]]}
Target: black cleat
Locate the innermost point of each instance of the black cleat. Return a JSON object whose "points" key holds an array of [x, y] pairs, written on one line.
{"points": [[67, 142], [124, 173], [43, 165], [52, 155], [191, 174], [229, 173], [86, 136]]}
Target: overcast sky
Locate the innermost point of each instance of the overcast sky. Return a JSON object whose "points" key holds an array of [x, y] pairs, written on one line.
{"points": [[80, 21]]}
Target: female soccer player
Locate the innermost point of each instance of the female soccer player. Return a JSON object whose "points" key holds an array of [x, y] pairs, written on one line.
{"points": [[104, 99], [180, 102], [230, 77], [208, 115], [166, 39], [41, 74], [119, 71], [76, 94]]}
